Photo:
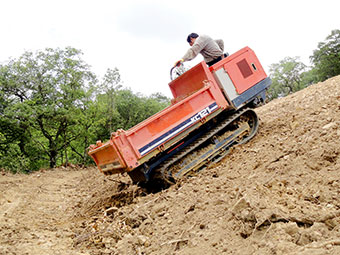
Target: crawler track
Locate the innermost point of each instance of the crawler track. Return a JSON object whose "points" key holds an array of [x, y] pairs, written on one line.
{"points": [[210, 148]]}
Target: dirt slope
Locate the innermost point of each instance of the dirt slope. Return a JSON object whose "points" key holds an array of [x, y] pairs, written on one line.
{"points": [[277, 194]]}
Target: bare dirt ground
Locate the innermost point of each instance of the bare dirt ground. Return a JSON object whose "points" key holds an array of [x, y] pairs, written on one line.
{"points": [[277, 194]]}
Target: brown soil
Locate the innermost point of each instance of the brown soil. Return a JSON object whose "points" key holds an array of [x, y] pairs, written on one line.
{"points": [[277, 194]]}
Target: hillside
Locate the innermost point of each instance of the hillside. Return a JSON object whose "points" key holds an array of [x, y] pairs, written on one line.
{"points": [[277, 194]]}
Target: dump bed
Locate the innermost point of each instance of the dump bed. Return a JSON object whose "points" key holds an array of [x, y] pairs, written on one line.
{"points": [[199, 95]]}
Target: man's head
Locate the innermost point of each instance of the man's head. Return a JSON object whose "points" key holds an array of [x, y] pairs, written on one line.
{"points": [[191, 38]]}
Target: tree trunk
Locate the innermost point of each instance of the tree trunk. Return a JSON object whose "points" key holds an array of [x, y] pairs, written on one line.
{"points": [[53, 154]]}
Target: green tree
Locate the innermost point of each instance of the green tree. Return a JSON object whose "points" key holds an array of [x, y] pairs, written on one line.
{"points": [[110, 85], [120, 107], [44, 96], [286, 77], [326, 58], [131, 109], [52, 108], [309, 77]]}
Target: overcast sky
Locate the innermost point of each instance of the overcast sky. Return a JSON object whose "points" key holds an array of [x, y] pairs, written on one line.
{"points": [[144, 38]]}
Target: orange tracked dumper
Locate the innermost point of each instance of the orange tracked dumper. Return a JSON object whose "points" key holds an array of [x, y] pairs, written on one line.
{"points": [[211, 110]]}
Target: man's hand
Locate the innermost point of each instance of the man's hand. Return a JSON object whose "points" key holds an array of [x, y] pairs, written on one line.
{"points": [[179, 62]]}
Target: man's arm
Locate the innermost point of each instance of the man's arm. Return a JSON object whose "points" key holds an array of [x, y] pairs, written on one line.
{"points": [[196, 48]]}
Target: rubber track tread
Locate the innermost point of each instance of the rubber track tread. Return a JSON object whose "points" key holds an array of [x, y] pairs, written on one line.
{"points": [[166, 164]]}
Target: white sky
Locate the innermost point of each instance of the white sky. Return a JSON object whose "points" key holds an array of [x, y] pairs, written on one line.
{"points": [[144, 38]]}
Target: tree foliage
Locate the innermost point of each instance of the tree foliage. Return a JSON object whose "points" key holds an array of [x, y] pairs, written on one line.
{"points": [[290, 75], [123, 109], [286, 77], [326, 58], [45, 94], [52, 107]]}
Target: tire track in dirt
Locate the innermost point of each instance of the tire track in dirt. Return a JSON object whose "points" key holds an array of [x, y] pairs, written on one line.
{"points": [[35, 213]]}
